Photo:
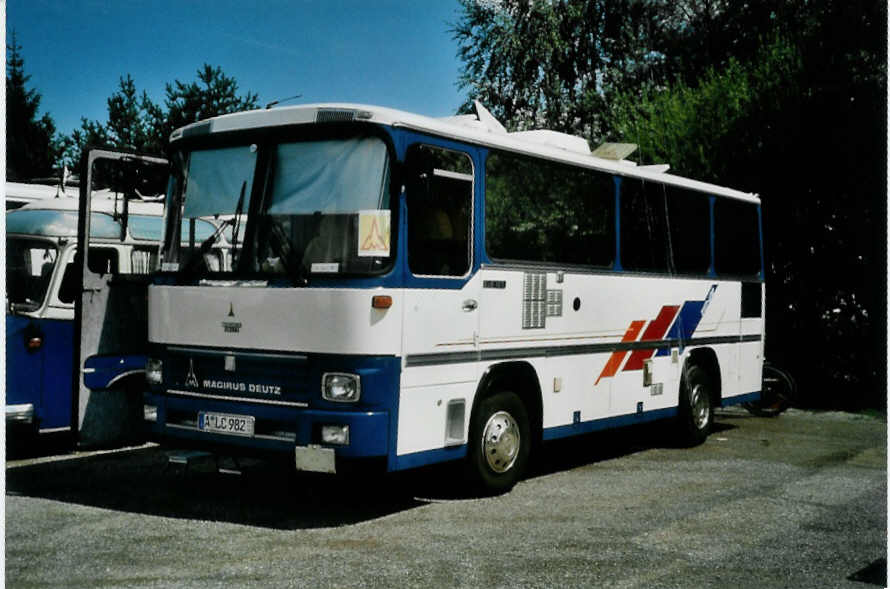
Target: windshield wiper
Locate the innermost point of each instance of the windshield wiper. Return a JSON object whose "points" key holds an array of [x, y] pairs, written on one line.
{"points": [[208, 243]]}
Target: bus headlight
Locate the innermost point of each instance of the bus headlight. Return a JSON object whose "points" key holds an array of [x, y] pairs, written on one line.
{"points": [[154, 369], [340, 387]]}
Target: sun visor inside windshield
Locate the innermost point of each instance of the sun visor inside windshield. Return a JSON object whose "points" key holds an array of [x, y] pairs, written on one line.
{"points": [[215, 178], [329, 176]]}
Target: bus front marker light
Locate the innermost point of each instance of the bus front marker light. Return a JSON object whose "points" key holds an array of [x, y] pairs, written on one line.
{"points": [[381, 302], [34, 343], [340, 387], [335, 434], [154, 369]]}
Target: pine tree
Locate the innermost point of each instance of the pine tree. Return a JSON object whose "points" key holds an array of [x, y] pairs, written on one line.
{"points": [[32, 147]]}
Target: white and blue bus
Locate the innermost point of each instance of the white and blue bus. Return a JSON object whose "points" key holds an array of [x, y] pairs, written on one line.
{"points": [[418, 290], [42, 285]]}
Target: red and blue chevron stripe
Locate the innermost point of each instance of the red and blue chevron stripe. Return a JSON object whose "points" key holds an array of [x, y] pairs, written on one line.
{"points": [[673, 322]]}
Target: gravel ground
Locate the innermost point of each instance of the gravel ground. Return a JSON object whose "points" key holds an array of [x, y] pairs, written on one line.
{"points": [[797, 501]]}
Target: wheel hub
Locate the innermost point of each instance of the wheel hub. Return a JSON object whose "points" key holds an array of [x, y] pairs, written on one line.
{"points": [[500, 441], [701, 406]]}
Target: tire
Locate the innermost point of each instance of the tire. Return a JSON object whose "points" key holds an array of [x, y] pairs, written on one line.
{"points": [[499, 443], [776, 395], [695, 415]]}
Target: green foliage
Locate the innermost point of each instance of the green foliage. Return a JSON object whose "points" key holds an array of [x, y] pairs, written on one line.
{"points": [[32, 146], [785, 98], [136, 123], [550, 64]]}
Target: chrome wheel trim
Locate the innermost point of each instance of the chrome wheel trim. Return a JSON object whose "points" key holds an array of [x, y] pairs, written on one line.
{"points": [[700, 404], [501, 442]]}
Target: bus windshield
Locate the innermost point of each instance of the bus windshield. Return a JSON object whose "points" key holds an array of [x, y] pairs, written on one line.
{"points": [[29, 267], [324, 207]]}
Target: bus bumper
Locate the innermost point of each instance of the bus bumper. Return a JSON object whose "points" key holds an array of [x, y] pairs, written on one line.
{"points": [[23, 413], [312, 433]]}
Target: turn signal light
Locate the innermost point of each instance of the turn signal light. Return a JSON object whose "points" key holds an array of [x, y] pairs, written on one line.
{"points": [[381, 301], [34, 343]]}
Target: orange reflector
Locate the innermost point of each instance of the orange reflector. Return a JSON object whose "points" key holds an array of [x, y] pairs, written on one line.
{"points": [[34, 343], [381, 301]]}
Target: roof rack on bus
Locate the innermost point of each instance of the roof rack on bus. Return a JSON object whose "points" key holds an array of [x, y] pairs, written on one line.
{"points": [[618, 152]]}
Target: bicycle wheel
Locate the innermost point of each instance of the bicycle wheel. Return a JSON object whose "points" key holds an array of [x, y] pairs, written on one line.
{"points": [[776, 395]]}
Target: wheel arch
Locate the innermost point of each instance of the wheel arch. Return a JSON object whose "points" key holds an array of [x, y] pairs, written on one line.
{"points": [[521, 378], [706, 359]]}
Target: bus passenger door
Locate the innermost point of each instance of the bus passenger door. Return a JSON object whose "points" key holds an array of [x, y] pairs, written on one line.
{"points": [[110, 313], [441, 320]]}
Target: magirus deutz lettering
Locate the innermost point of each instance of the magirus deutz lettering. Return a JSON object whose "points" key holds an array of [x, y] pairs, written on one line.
{"points": [[242, 387]]}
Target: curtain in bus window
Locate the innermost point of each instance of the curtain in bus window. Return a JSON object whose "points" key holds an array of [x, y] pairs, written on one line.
{"points": [[215, 178], [341, 176]]}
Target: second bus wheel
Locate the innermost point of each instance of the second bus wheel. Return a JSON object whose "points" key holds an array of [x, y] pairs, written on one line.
{"points": [[695, 413], [500, 441]]}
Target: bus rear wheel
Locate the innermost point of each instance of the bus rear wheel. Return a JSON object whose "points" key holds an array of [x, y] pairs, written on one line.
{"points": [[696, 414], [500, 441]]}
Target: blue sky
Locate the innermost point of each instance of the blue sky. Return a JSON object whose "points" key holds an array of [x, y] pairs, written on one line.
{"points": [[396, 53]]}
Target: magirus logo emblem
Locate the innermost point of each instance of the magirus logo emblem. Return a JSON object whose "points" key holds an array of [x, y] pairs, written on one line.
{"points": [[191, 380], [231, 325]]}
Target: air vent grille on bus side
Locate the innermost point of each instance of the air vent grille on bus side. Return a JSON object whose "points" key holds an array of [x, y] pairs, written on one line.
{"points": [[334, 116]]}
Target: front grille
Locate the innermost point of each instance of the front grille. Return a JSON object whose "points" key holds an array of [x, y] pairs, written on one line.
{"points": [[269, 378]]}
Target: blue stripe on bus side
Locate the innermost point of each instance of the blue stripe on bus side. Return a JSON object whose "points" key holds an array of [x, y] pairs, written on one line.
{"points": [[574, 429], [427, 457], [737, 399]]}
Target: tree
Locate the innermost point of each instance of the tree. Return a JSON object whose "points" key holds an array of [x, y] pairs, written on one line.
{"points": [[552, 64], [32, 147], [212, 94], [136, 123]]}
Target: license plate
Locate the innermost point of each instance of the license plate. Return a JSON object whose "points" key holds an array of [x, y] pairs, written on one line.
{"points": [[226, 423]]}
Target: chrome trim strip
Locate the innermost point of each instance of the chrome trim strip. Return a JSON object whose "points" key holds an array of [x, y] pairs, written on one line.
{"points": [[438, 358], [124, 374], [52, 430], [239, 354], [238, 399]]}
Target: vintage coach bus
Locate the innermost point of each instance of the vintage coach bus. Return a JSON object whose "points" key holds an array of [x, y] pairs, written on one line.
{"points": [[418, 290]]}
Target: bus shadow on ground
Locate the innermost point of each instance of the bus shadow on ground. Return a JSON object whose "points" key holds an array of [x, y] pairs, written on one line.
{"points": [[264, 495], [270, 495], [448, 482]]}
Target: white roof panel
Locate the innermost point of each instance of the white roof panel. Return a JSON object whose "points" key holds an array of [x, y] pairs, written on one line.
{"points": [[541, 143]]}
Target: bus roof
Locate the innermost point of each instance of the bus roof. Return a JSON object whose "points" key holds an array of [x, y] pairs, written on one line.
{"points": [[103, 202], [479, 129]]}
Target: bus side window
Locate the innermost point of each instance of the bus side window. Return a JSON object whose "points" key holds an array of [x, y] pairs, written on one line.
{"points": [[69, 288], [103, 260], [440, 195]]}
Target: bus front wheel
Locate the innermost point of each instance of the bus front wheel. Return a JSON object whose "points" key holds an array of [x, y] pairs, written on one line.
{"points": [[696, 413], [500, 441]]}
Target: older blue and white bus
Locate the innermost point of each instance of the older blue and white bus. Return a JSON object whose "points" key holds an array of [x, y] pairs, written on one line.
{"points": [[418, 290], [42, 287]]}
